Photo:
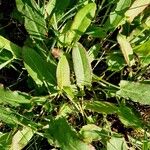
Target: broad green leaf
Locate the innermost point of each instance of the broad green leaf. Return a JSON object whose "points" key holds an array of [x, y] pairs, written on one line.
{"points": [[90, 133], [128, 117], [6, 57], [65, 110], [82, 66], [117, 16], [8, 116], [138, 92], [49, 7], [115, 61], [136, 8], [126, 49], [117, 143], [143, 52], [102, 107], [34, 19], [80, 23], [93, 52], [5, 141], [10, 46], [63, 32], [63, 72], [71, 92], [138, 35], [11, 117], [56, 7], [21, 138], [39, 69], [14, 98], [3, 64], [60, 132], [96, 31]]}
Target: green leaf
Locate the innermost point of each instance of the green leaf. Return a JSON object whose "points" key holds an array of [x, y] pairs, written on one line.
{"points": [[147, 22], [34, 19], [12, 118], [21, 138], [96, 31], [82, 66], [71, 92], [143, 52], [115, 61], [8, 117], [49, 7], [80, 23], [93, 52], [126, 49], [116, 17], [138, 92], [128, 117], [6, 57], [63, 33], [65, 110], [5, 141], [63, 72], [56, 7], [102, 107], [65, 136], [39, 69], [14, 98], [117, 143], [136, 8], [90, 133], [138, 35], [13, 48]]}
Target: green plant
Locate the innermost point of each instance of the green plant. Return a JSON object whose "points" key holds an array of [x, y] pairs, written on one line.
{"points": [[67, 94]]}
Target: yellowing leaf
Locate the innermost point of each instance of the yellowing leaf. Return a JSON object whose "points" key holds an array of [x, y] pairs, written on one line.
{"points": [[136, 8], [21, 138], [63, 72], [126, 49]]}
